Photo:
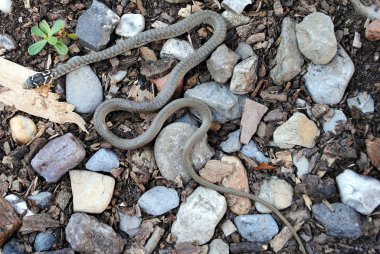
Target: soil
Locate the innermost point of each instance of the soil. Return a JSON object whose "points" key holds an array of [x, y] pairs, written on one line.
{"points": [[128, 189]]}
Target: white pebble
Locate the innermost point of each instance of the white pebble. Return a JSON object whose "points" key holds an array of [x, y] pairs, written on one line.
{"points": [[130, 25], [6, 6], [23, 129], [178, 49]]}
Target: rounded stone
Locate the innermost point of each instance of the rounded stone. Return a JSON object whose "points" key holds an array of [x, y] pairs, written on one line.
{"points": [[159, 200], [175, 48], [44, 241], [23, 129], [103, 160], [256, 228], [130, 25]]}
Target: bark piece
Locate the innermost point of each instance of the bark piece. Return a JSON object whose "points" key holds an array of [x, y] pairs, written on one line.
{"points": [[9, 221], [214, 170], [38, 222]]}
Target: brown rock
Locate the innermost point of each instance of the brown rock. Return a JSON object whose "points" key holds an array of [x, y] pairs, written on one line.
{"points": [[252, 114], [9, 221], [160, 83], [372, 32], [38, 222], [238, 180], [157, 69], [147, 54], [373, 151], [214, 171]]}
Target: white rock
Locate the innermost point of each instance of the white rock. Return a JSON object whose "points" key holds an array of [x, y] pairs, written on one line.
{"points": [[199, 215], [316, 38], [363, 101], [228, 227], [103, 160], [6, 6], [218, 246], [276, 191], [244, 50], [178, 49], [302, 165], [159, 200], [7, 42], [360, 192], [92, 192], [327, 83], [298, 130], [236, 5], [234, 19], [23, 129], [252, 151], [130, 24], [334, 120], [18, 204], [244, 76], [221, 63], [232, 143]]}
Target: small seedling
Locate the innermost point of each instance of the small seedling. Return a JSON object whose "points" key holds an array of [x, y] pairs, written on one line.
{"points": [[54, 36]]}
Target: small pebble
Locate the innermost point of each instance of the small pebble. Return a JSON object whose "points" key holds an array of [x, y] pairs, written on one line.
{"points": [[129, 224], [159, 200], [103, 160], [218, 246], [252, 151], [221, 63], [118, 76], [256, 228], [18, 204], [244, 50], [363, 101], [175, 48], [244, 76], [372, 32], [228, 227], [232, 143], [302, 165], [234, 19], [44, 241], [331, 122], [13, 247], [6, 6], [7, 42], [130, 25], [41, 200], [235, 5], [23, 129]]}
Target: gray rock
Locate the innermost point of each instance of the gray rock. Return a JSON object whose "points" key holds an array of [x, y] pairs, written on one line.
{"points": [[256, 228], [159, 200], [88, 235], [360, 192], [316, 38], [18, 204], [289, 59], [225, 106], [327, 83], [168, 150], [58, 156], [221, 63], [157, 69], [44, 241], [188, 118], [343, 222], [175, 48], [244, 76], [252, 151], [129, 224], [199, 215], [60, 251], [13, 247], [232, 144], [218, 246], [334, 120], [103, 160], [7, 42], [234, 19], [95, 26], [235, 5], [84, 90], [130, 24], [6, 6], [302, 165], [41, 200], [363, 101], [244, 50]]}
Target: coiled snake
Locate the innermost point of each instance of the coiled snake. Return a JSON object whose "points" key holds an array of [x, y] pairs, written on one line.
{"points": [[108, 106]]}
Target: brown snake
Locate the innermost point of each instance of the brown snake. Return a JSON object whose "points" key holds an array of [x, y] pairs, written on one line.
{"points": [[115, 104]]}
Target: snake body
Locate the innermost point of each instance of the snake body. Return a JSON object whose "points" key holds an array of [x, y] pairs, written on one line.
{"points": [[115, 104]]}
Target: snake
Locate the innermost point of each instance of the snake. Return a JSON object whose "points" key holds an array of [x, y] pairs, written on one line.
{"points": [[118, 104]]}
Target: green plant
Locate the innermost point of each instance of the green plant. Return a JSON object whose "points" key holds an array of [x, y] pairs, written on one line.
{"points": [[54, 36]]}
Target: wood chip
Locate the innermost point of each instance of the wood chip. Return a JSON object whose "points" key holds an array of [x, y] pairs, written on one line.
{"points": [[150, 246], [147, 54], [214, 171], [9, 221], [252, 114], [38, 222], [279, 241], [373, 151]]}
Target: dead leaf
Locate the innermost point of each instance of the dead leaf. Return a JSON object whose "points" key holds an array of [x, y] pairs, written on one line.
{"points": [[264, 166], [32, 102]]}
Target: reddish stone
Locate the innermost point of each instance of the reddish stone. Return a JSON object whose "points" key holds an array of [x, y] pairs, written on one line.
{"points": [[373, 151], [372, 33], [9, 221], [160, 83]]}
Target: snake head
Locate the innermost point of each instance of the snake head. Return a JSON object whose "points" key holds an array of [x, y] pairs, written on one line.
{"points": [[38, 79]]}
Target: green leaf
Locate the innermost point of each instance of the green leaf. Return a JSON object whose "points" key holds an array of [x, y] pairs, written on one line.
{"points": [[44, 26], [61, 48], [72, 36], [35, 48], [58, 25], [36, 31], [52, 40]]}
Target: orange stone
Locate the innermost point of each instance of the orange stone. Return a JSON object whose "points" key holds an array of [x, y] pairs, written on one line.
{"points": [[372, 33], [160, 83]]}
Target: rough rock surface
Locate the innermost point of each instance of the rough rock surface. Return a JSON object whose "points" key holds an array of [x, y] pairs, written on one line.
{"points": [[221, 63], [256, 228], [130, 25], [159, 200], [244, 76]]}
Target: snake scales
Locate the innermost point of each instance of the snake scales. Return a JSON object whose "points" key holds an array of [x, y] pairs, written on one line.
{"points": [[115, 104]]}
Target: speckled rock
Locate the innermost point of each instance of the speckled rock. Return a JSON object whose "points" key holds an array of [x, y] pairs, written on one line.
{"points": [[95, 26], [316, 38], [169, 146], [159, 200], [218, 246], [7, 42], [221, 63], [372, 32], [83, 89], [232, 143], [175, 48], [244, 76], [130, 24], [236, 5], [331, 122], [13, 247], [103, 160], [256, 228], [41, 200], [129, 224], [363, 101], [88, 235], [52, 161], [199, 215], [44, 241], [234, 19]]}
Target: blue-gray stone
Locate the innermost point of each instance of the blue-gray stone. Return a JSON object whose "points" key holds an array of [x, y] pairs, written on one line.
{"points": [[252, 151], [337, 118], [61, 251], [95, 26], [13, 247], [44, 241], [256, 228], [188, 118], [232, 144], [103, 160], [225, 106], [363, 101], [344, 222], [244, 50], [84, 90], [41, 200], [129, 224], [159, 200]]}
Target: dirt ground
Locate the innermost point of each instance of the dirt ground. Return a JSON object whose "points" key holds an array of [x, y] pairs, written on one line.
{"points": [[354, 133]]}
